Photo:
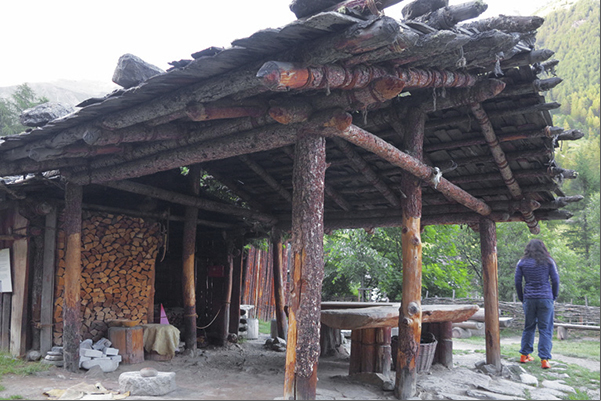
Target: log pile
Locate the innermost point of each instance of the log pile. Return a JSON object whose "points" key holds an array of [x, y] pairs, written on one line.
{"points": [[117, 282]]}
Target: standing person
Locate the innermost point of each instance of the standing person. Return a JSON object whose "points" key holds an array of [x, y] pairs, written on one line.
{"points": [[539, 271]]}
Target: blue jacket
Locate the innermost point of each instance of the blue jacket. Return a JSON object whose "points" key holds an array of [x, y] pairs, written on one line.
{"points": [[537, 278]]}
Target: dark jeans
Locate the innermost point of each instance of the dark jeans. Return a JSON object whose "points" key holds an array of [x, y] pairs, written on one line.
{"points": [[538, 312]]}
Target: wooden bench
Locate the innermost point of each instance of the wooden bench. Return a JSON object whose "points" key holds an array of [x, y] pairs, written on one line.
{"points": [[562, 329], [371, 331]]}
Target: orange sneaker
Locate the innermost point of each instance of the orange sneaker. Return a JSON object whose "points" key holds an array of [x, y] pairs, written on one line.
{"points": [[526, 358], [544, 363]]}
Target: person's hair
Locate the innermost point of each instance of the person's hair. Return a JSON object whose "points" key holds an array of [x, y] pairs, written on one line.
{"points": [[537, 250]]}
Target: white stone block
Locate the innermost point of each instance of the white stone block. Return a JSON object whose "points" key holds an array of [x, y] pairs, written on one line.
{"points": [[83, 359], [111, 351], [161, 384], [92, 353], [85, 344], [106, 364], [117, 358], [102, 344]]}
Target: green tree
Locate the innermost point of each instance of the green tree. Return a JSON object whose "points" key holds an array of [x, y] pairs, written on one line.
{"points": [[10, 109]]}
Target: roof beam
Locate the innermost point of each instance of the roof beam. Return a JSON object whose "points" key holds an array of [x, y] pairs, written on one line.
{"points": [[189, 200], [370, 175], [386, 151], [261, 172]]}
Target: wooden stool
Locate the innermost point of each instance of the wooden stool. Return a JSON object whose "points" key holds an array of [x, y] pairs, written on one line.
{"points": [[129, 341]]}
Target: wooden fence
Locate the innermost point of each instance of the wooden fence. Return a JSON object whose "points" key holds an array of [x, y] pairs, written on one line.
{"points": [[257, 282], [564, 313]]}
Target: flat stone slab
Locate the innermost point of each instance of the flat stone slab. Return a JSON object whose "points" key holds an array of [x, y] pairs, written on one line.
{"points": [[136, 384]]}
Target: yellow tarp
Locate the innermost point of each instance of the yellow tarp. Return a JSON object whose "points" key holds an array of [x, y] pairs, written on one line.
{"points": [[161, 338]]}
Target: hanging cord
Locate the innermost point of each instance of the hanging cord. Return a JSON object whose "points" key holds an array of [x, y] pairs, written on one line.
{"points": [[212, 321]]}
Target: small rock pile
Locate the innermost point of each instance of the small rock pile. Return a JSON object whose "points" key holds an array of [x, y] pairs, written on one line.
{"points": [[54, 357], [99, 354], [276, 344]]}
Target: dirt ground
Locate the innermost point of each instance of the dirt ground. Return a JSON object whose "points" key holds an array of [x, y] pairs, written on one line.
{"points": [[247, 371]]}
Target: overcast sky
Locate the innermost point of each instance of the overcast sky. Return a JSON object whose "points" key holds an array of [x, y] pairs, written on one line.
{"points": [[48, 40]]}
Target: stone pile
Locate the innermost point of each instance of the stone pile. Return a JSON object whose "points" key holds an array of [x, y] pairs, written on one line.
{"points": [[54, 357], [99, 354]]}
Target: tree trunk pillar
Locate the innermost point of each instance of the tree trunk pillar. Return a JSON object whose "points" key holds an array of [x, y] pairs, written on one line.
{"points": [[488, 247], [279, 288], [72, 302], [302, 353], [188, 260], [410, 312]]}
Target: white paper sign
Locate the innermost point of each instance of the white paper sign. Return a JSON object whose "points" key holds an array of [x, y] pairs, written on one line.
{"points": [[5, 277]]}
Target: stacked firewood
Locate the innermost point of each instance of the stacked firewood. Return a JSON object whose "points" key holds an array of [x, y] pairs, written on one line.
{"points": [[117, 280]]}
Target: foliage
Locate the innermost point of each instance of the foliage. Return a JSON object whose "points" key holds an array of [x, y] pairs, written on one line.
{"points": [[10, 109]]}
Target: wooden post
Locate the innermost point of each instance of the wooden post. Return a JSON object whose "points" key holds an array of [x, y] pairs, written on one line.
{"points": [[355, 361], [278, 284], [72, 301], [48, 282], [20, 277], [368, 351], [383, 350], [410, 312], [302, 352], [488, 247], [188, 259], [236, 288], [227, 293]]}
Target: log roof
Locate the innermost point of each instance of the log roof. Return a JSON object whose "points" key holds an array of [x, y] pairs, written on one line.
{"points": [[351, 75]]}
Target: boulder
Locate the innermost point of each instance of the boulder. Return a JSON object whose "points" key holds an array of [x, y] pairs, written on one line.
{"points": [[136, 384], [132, 71], [42, 114]]}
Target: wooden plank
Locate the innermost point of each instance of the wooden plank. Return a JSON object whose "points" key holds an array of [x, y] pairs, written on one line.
{"points": [[48, 282], [388, 316], [5, 328], [20, 276]]}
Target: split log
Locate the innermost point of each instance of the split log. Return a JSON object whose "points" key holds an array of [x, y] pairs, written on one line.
{"points": [[118, 255], [447, 17], [527, 58], [364, 36], [538, 85], [305, 8], [388, 316], [73, 151], [505, 23], [418, 8], [25, 166]]}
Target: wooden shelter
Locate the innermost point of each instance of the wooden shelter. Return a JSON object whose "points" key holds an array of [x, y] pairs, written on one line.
{"points": [[344, 118]]}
